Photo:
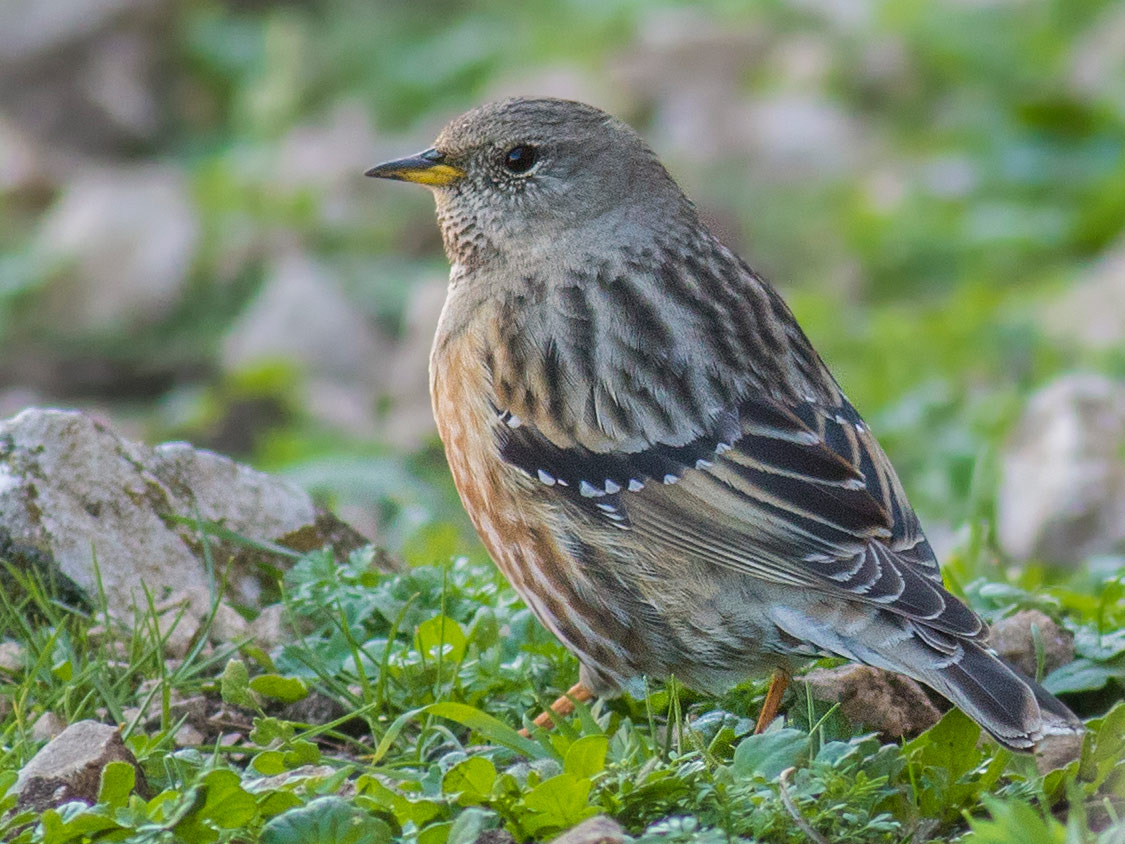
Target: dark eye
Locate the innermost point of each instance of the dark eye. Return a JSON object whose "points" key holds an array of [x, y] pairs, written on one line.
{"points": [[520, 159]]}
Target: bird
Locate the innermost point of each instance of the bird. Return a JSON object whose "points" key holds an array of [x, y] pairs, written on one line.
{"points": [[651, 449]]}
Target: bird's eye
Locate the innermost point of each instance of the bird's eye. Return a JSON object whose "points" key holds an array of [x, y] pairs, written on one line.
{"points": [[520, 159]]}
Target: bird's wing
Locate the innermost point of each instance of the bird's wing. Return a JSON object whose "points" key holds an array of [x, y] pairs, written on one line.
{"points": [[794, 493]]}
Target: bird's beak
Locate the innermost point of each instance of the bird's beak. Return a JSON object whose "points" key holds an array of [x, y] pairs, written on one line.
{"points": [[425, 168]]}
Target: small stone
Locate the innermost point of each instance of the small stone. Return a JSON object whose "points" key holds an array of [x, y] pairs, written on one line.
{"points": [[268, 630], [1062, 484], [1013, 639], [70, 766], [188, 736], [47, 726], [894, 705], [12, 655], [126, 237], [1089, 313], [1057, 751], [596, 830]]}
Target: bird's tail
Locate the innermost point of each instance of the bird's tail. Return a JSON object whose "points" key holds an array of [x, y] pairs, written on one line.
{"points": [[1014, 709]]}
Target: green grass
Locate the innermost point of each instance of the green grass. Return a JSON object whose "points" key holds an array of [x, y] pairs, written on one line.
{"points": [[431, 672]]}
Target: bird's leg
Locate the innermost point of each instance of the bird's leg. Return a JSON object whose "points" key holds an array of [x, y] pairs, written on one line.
{"points": [[779, 682], [562, 707]]}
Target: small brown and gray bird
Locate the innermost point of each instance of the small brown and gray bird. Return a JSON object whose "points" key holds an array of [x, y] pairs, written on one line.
{"points": [[649, 446]]}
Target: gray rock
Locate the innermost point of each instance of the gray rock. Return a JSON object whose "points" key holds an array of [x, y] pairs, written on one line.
{"points": [[13, 657], [1013, 639], [1062, 486], [123, 239], [894, 705], [1091, 313], [47, 726], [596, 830], [81, 494], [70, 767], [1097, 67], [85, 74], [302, 317]]}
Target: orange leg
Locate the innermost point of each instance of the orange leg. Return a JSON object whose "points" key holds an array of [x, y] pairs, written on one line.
{"points": [[779, 682], [562, 707]]}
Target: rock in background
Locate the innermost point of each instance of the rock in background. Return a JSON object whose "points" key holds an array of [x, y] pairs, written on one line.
{"points": [[1062, 488]]}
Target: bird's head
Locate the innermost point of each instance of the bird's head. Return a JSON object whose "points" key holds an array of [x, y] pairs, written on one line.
{"points": [[530, 179]]}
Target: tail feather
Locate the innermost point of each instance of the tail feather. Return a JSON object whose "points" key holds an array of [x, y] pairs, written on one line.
{"points": [[1014, 709]]}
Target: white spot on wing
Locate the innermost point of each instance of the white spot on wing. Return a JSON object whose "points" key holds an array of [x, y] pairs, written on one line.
{"points": [[547, 478], [588, 490]]}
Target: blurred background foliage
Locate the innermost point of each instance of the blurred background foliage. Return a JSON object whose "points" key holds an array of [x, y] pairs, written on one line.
{"points": [[188, 246]]}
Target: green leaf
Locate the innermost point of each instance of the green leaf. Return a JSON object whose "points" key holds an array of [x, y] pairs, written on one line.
{"points": [[490, 728], [326, 820], [1013, 822], [470, 780], [586, 757], [221, 803], [469, 825], [301, 752], [234, 685], [557, 803], [269, 762], [435, 833], [117, 782], [1104, 749], [277, 687], [942, 758], [74, 822], [405, 810], [768, 754], [269, 730], [1083, 675], [441, 635]]}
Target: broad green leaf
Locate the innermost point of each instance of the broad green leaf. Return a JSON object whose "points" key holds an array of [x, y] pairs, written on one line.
{"points": [[234, 685], [469, 825], [768, 754], [441, 635], [117, 781], [268, 762], [942, 757], [470, 780], [326, 820], [221, 803], [74, 822], [277, 687], [586, 757], [557, 803], [1083, 675], [405, 810], [1013, 822], [435, 833]]}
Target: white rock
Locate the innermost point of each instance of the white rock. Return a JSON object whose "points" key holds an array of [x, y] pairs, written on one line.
{"points": [[47, 726], [13, 657], [124, 238], [83, 495], [1062, 488], [35, 27], [1098, 59], [1091, 314]]}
